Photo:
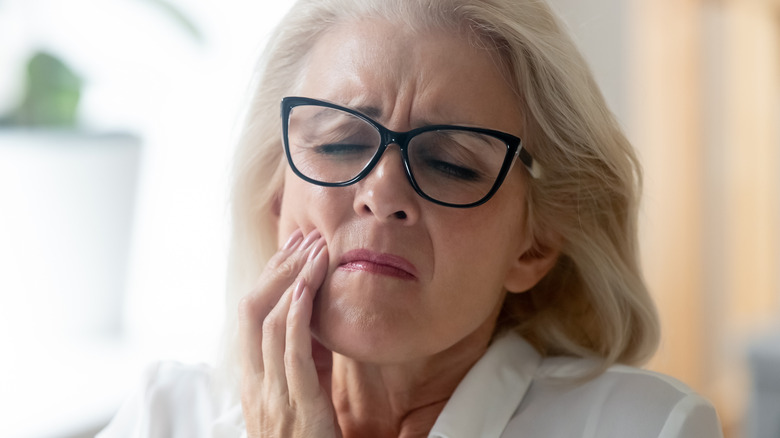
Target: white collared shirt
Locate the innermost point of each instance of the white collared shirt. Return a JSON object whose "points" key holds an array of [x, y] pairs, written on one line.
{"points": [[510, 392]]}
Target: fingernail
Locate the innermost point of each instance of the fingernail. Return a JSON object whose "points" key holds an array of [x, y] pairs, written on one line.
{"points": [[311, 238], [299, 290], [317, 249], [294, 239]]}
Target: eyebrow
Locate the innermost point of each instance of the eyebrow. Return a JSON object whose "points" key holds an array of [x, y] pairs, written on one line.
{"points": [[437, 118], [370, 111], [376, 114]]}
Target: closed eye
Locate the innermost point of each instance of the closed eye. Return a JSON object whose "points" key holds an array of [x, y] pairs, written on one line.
{"points": [[451, 170], [342, 149]]}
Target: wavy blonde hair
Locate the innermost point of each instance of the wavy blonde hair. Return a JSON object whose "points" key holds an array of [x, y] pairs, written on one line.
{"points": [[594, 302]]}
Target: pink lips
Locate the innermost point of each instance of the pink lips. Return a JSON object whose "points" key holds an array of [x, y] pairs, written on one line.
{"points": [[377, 263]]}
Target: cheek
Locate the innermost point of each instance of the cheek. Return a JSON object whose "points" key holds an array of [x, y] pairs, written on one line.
{"points": [[489, 236], [472, 269], [479, 249], [308, 206], [294, 214]]}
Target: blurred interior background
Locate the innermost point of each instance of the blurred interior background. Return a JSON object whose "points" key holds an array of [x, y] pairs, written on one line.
{"points": [[117, 119]]}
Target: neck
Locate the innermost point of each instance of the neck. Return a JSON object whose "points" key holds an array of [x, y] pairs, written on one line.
{"points": [[401, 399]]}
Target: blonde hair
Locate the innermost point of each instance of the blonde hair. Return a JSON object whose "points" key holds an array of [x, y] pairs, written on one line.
{"points": [[594, 302]]}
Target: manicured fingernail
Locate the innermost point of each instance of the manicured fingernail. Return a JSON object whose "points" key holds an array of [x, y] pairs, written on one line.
{"points": [[294, 239], [317, 249], [311, 238], [299, 290]]}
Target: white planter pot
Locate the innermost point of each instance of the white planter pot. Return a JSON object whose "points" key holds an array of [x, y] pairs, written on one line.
{"points": [[66, 214]]}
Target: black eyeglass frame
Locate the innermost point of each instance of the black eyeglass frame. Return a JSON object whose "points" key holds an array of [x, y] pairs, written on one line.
{"points": [[514, 148]]}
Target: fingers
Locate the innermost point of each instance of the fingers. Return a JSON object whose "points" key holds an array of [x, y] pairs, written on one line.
{"points": [[252, 311], [280, 393], [273, 346], [280, 271], [275, 325], [301, 373], [278, 276]]}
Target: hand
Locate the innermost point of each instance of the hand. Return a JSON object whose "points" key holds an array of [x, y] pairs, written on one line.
{"points": [[283, 392]]}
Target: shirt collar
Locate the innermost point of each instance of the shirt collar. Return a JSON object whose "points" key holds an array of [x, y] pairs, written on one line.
{"points": [[482, 404], [485, 400]]}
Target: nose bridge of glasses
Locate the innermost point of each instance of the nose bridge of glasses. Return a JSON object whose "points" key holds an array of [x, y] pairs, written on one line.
{"points": [[400, 139], [390, 138], [387, 149]]}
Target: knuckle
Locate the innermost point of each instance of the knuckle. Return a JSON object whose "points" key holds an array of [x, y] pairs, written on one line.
{"points": [[288, 268], [251, 306], [271, 326], [278, 257], [285, 267], [292, 360]]}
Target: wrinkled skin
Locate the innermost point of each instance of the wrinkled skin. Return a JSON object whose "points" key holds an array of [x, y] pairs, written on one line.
{"points": [[400, 343]]}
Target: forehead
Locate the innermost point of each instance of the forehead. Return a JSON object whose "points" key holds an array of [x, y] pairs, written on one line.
{"points": [[439, 75]]}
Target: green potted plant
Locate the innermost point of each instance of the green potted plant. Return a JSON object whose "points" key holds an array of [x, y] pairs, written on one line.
{"points": [[67, 197]]}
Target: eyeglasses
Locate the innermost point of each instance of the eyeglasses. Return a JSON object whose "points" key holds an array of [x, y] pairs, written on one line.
{"points": [[456, 166]]}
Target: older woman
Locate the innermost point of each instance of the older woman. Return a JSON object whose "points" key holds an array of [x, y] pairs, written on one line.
{"points": [[436, 238]]}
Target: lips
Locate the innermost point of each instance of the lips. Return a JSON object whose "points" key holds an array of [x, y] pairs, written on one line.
{"points": [[363, 260]]}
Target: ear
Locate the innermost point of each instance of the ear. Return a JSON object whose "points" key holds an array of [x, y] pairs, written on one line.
{"points": [[531, 266]]}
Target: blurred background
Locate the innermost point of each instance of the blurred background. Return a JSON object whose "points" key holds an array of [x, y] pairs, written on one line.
{"points": [[117, 120]]}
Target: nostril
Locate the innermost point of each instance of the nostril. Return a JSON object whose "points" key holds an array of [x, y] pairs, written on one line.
{"points": [[400, 214]]}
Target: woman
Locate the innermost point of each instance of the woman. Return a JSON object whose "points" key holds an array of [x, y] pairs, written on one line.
{"points": [[441, 242]]}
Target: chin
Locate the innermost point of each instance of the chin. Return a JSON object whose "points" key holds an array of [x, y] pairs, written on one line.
{"points": [[368, 335]]}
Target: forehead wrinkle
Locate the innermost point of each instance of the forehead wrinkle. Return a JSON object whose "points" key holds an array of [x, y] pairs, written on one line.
{"points": [[378, 72], [369, 66], [379, 75]]}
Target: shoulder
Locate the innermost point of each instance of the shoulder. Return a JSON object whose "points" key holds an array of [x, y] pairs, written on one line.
{"points": [[172, 399], [169, 388], [175, 376], [621, 401], [172, 379]]}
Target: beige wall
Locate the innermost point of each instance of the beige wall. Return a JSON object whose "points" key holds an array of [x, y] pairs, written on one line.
{"points": [[697, 85], [706, 119]]}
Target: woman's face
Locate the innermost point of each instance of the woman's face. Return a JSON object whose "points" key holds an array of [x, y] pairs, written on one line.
{"points": [[408, 278]]}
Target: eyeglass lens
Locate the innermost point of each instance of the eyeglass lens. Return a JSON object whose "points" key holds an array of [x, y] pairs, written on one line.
{"points": [[452, 166]]}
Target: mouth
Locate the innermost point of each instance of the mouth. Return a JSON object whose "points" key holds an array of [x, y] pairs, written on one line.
{"points": [[363, 260]]}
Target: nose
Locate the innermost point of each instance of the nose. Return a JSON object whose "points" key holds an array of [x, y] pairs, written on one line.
{"points": [[386, 192]]}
